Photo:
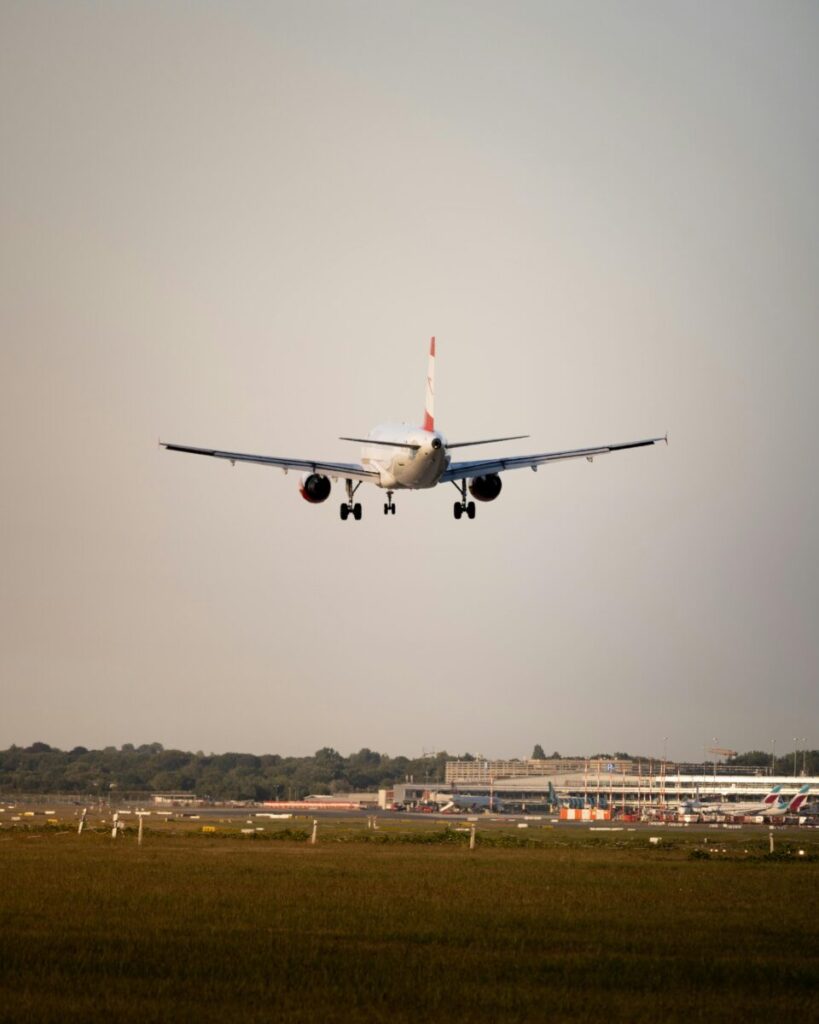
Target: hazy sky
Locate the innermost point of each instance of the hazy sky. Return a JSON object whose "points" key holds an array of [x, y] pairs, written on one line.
{"points": [[237, 225]]}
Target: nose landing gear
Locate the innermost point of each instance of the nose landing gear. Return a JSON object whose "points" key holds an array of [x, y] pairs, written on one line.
{"points": [[390, 505], [347, 507]]}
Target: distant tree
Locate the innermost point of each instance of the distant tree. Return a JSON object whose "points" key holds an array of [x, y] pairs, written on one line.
{"points": [[166, 781], [538, 754], [752, 758]]}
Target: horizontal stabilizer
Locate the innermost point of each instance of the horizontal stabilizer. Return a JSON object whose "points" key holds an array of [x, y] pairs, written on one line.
{"points": [[491, 440], [386, 444]]}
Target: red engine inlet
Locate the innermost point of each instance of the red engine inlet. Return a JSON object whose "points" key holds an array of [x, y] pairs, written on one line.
{"points": [[315, 488], [485, 488]]}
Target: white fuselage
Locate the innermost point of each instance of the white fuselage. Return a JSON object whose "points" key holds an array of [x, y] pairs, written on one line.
{"points": [[404, 467], [740, 810]]}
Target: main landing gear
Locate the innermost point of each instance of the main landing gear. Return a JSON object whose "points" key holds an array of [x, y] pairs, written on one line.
{"points": [[347, 507], [390, 505], [463, 506]]}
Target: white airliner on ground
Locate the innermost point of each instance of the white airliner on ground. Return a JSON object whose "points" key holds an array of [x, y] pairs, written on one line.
{"points": [[773, 806], [400, 457]]}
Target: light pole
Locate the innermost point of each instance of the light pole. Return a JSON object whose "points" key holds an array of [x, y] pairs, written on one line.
{"points": [[773, 757], [804, 756], [795, 752]]}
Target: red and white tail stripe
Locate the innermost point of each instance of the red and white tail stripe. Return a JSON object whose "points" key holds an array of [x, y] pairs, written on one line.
{"points": [[429, 407]]}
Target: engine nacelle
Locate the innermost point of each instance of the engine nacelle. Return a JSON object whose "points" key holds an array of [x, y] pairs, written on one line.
{"points": [[315, 488], [485, 488]]}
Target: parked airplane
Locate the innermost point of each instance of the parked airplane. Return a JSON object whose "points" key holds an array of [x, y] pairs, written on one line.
{"points": [[774, 805], [398, 456], [746, 807], [466, 802], [785, 806]]}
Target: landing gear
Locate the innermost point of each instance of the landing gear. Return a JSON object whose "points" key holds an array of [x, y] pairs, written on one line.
{"points": [[390, 505], [463, 506], [348, 508]]}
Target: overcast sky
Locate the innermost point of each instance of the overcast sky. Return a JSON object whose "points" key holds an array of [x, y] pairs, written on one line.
{"points": [[237, 224]]}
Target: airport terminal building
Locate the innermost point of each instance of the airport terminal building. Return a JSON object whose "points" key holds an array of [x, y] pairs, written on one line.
{"points": [[627, 785]]}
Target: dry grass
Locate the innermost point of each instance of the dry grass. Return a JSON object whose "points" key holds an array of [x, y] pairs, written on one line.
{"points": [[216, 930]]}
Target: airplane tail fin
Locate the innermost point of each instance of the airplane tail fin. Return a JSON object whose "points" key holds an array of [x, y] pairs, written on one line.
{"points": [[429, 406], [773, 796], [799, 799]]}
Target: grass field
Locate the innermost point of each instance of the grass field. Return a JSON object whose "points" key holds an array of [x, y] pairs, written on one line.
{"points": [[574, 929]]}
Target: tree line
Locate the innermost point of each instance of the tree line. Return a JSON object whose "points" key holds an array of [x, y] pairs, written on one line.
{"points": [[150, 768]]}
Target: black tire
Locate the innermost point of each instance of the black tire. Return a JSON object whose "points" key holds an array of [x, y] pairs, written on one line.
{"points": [[356, 511], [457, 510], [386, 510], [470, 510], [344, 511], [393, 509]]}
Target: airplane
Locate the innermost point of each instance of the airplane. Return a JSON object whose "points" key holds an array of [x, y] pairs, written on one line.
{"points": [[774, 805], [696, 806], [747, 807], [401, 457], [808, 810], [786, 806], [465, 802]]}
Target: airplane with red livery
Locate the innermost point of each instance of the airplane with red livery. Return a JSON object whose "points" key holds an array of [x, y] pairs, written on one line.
{"points": [[399, 457]]}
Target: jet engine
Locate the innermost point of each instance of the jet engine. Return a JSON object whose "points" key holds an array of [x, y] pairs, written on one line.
{"points": [[485, 488], [315, 488]]}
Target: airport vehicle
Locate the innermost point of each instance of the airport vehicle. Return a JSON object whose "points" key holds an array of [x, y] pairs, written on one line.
{"points": [[401, 457]]}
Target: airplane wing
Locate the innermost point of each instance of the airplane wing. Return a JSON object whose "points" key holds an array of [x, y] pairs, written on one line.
{"points": [[481, 467], [349, 471]]}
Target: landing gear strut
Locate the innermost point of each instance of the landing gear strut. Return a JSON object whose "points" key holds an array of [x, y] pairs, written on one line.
{"points": [[390, 505], [347, 507], [463, 505]]}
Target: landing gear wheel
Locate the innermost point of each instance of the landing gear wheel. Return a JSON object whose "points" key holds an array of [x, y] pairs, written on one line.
{"points": [[348, 508], [470, 509], [457, 510], [386, 510]]}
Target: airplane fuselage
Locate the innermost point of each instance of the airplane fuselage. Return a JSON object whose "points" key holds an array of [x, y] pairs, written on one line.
{"points": [[403, 467]]}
